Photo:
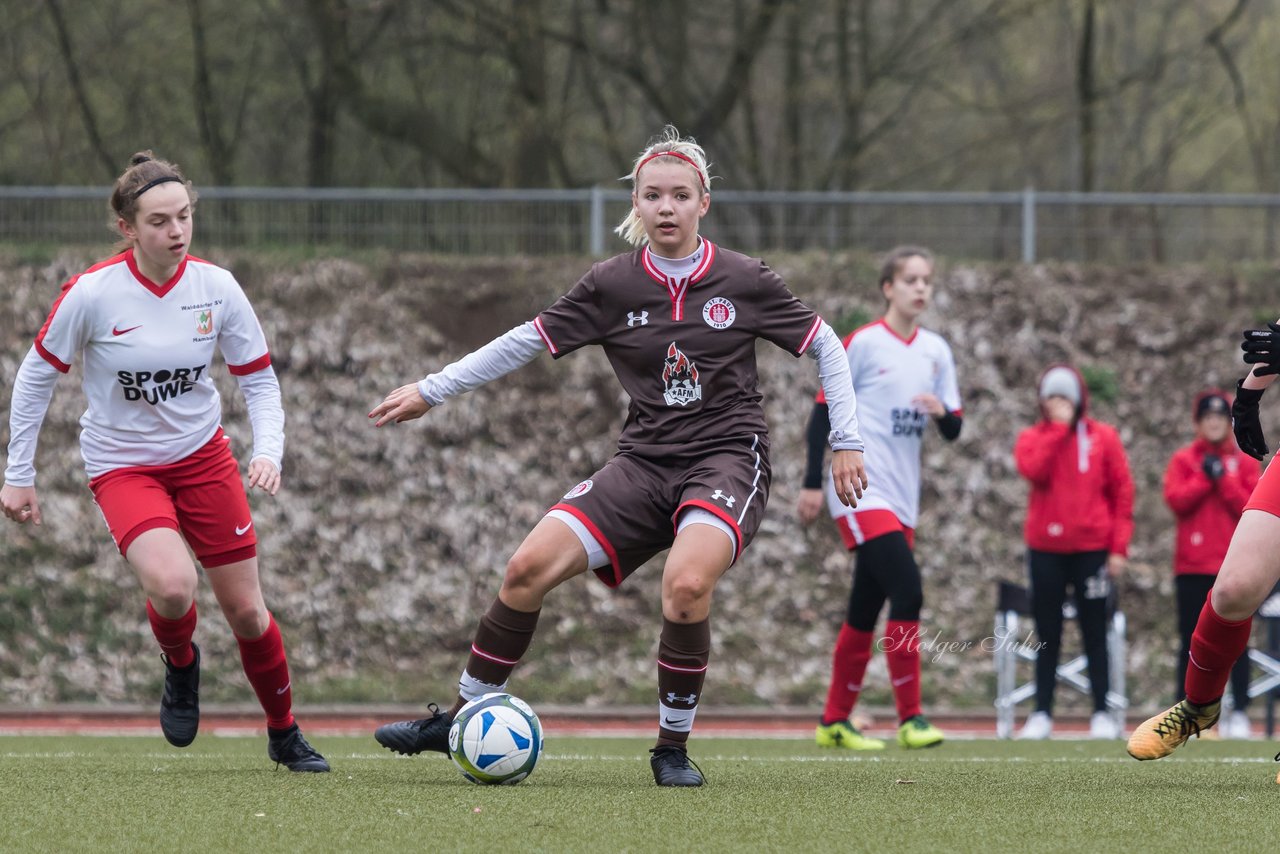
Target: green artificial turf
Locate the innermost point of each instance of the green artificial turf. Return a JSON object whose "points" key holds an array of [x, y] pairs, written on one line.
{"points": [[588, 794]]}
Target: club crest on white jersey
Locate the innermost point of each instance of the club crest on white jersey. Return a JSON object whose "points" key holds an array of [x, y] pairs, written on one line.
{"points": [[719, 313], [679, 378]]}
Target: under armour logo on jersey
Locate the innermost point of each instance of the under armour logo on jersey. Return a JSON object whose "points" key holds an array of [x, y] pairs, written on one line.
{"points": [[689, 700], [720, 495], [637, 319]]}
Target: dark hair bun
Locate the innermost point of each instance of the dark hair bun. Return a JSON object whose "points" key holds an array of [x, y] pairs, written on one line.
{"points": [[141, 157]]}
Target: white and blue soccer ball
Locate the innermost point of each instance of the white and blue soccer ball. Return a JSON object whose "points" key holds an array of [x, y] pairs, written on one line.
{"points": [[495, 739]]}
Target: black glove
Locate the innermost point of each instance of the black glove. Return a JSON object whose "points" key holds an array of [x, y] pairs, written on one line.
{"points": [[1213, 467], [1262, 347], [1245, 423]]}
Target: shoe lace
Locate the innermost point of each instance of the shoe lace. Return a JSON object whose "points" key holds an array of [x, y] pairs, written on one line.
{"points": [[674, 757], [1179, 722], [918, 722], [436, 715]]}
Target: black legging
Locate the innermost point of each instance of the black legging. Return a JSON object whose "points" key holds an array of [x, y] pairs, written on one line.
{"points": [[1192, 590], [884, 568], [1050, 574]]}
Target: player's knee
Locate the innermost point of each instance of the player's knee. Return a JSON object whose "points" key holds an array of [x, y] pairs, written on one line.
{"points": [[1236, 596], [527, 570], [172, 593], [690, 591], [247, 617]]}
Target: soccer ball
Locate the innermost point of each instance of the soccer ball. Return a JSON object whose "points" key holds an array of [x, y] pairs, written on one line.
{"points": [[495, 739]]}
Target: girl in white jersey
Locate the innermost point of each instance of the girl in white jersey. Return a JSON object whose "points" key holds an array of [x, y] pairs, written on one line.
{"points": [[678, 318], [160, 468], [904, 377]]}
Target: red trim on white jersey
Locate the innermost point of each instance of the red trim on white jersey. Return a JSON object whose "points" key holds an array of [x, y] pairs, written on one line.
{"points": [[58, 364], [158, 290], [601, 539], [263, 361], [893, 332], [546, 339]]}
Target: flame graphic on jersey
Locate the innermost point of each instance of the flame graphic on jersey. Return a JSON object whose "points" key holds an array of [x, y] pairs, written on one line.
{"points": [[679, 378]]}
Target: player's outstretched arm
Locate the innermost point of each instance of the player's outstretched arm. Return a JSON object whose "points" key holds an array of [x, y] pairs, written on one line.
{"points": [[20, 503], [404, 404]]}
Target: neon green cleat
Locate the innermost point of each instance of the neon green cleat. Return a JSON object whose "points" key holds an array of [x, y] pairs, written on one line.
{"points": [[916, 732], [845, 735]]}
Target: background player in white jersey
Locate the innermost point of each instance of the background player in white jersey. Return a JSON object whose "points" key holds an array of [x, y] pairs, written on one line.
{"points": [[904, 377], [160, 468], [678, 319]]}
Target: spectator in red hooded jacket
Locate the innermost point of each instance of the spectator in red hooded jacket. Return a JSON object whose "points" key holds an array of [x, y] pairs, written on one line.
{"points": [[1079, 521], [1207, 485]]}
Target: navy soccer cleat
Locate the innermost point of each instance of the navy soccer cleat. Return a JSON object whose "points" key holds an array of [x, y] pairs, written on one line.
{"points": [[180, 702], [292, 750], [672, 767], [410, 738]]}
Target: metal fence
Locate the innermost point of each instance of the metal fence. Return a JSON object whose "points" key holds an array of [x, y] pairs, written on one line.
{"points": [[1026, 225]]}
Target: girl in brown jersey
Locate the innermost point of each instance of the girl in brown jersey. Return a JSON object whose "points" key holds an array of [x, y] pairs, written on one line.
{"points": [[678, 319]]}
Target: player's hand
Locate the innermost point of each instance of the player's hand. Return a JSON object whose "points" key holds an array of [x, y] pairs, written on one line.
{"points": [[264, 475], [1059, 410], [1262, 349], [809, 505], [930, 404], [403, 404], [1116, 565], [20, 503], [1245, 423], [849, 476]]}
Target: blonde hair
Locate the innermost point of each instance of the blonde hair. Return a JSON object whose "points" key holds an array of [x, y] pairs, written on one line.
{"points": [[631, 229]]}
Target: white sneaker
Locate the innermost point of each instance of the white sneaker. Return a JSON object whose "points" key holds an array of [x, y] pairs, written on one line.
{"points": [[1236, 726], [1038, 727], [1103, 725]]}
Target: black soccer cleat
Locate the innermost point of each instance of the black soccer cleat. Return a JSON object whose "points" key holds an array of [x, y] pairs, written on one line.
{"points": [[410, 738], [672, 767], [290, 749], [180, 702]]}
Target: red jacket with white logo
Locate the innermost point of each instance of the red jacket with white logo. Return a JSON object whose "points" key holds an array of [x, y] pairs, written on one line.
{"points": [[1081, 491], [1207, 511]]}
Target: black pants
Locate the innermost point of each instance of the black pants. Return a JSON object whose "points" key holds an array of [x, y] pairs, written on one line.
{"points": [[884, 568], [1192, 591], [1086, 572]]}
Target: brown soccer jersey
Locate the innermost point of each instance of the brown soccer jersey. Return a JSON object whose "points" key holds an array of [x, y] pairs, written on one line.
{"points": [[684, 350]]}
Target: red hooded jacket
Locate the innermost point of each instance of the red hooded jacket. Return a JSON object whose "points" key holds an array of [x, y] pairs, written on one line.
{"points": [[1207, 512], [1081, 490]]}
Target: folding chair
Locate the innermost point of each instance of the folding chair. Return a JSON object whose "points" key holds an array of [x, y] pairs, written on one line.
{"points": [[1268, 662], [1013, 602]]}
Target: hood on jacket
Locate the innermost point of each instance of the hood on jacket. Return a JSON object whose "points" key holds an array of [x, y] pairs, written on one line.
{"points": [[1211, 400], [1063, 379]]}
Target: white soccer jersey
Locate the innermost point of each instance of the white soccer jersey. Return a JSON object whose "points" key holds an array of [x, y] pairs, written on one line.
{"points": [[147, 353], [888, 372]]}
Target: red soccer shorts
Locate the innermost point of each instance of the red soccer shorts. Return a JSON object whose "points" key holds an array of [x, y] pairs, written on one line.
{"points": [[201, 497], [862, 525], [1266, 495]]}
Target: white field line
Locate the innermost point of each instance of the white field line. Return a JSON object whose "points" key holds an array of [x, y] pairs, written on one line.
{"points": [[586, 757]]}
